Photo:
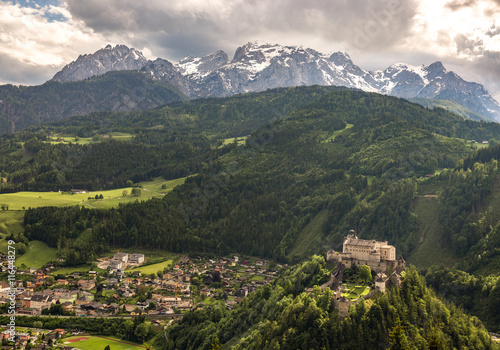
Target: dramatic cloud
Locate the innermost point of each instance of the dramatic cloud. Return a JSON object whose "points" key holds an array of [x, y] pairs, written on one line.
{"points": [[31, 40], [204, 26], [459, 4], [19, 72], [469, 46], [37, 37], [493, 31]]}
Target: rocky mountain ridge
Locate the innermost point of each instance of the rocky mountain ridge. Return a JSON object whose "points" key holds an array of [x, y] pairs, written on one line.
{"points": [[258, 66], [110, 58]]}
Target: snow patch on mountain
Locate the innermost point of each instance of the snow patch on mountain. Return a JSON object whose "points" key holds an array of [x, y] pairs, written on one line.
{"points": [[110, 58]]}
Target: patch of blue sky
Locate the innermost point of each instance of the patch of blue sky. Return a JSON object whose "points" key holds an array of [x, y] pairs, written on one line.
{"points": [[51, 16]]}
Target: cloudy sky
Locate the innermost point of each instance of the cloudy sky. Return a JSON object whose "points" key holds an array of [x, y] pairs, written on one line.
{"points": [[38, 37]]}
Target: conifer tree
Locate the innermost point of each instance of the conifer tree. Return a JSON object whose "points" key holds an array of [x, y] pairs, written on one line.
{"points": [[397, 337]]}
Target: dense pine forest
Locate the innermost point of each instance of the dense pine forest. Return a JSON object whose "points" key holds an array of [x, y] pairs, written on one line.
{"points": [[284, 316]]}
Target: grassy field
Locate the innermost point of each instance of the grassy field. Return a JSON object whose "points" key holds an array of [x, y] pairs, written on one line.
{"points": [[38, 254], [207, 301], [73, 269], [239, 140], [309, 235], [370, 179], [492, 209], [154, 268], [150, 189], [429, 251], [335, 133], [257, 278], [11, 222], [99, 343], [120, 136], [355, 291], [479, 145]]}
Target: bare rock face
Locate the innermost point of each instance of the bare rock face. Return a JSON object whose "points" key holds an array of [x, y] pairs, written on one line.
{"points": [[107, 59], [163, 70]]}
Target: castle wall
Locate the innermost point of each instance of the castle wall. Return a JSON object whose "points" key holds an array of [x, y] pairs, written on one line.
{"points": [[388, 252], [377, 266], [332, 256], [358, 252], [380, 285]]}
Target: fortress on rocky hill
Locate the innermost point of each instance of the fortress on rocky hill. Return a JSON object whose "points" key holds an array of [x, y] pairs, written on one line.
{"points": [[379, 256]]}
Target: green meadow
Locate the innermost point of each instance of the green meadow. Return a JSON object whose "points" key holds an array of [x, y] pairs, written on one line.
{"points": [[257, 278], [354, 291], [153, 268], [63, 138], [337, 132], [72, 269], [239, 140], [11, 222], [99, 343], [310, 234], [430, 250], [150, 189], [37, 255]]}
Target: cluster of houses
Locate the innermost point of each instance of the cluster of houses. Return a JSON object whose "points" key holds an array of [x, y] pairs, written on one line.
{"points": [[40, 339], [183, 287], [483, 142]]}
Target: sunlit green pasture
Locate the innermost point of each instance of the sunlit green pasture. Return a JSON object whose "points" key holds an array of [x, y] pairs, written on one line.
{"points": [[63, 138], [111, 198], [37, 255]]}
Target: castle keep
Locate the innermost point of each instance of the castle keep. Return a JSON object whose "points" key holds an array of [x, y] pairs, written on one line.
{"points": [[379, 256]]}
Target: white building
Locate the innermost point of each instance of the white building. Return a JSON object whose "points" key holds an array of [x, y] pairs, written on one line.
{"points": [[115, 264], [136, 258], [123, 257]]}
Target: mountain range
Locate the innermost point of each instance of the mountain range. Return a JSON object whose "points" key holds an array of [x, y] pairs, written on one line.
{"points": [[259, 66], [119, 78]]}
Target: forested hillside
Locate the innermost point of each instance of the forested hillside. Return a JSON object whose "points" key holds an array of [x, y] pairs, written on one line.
{"points": [[257, 198], [284, 316], [23, 106]]}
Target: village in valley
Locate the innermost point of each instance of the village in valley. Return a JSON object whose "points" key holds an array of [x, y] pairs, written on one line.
{"points": [[116, 288], [189, 284]]}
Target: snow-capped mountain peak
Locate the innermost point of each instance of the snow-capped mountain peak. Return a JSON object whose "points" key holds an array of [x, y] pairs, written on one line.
{"points": [[110, 58], [199, 67], [435, 69], [340, 58], [257, 55]]}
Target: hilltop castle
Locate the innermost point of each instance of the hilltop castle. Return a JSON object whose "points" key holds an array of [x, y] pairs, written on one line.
{"points": [[379, 256]]}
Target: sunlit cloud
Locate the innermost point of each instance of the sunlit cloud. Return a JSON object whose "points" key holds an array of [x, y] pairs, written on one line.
{"points": [[41, 36]]}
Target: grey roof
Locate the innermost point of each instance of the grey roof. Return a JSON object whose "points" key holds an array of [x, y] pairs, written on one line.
{"points": [[360, 242]]}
